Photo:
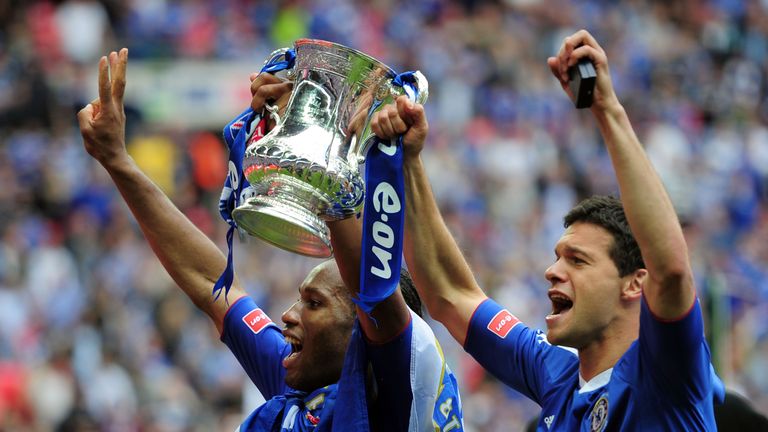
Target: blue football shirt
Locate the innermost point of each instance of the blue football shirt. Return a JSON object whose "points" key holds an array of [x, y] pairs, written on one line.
{"points": [[664, 381], [416, 391]]}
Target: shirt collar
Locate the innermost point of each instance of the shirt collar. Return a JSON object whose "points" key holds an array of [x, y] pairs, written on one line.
{"points": [[595, 383]]}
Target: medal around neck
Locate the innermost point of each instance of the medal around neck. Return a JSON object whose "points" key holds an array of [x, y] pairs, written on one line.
{"points": [[306, 170]]}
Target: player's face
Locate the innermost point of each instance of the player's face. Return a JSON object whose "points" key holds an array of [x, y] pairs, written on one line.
{"points": [[585, 287], [318, 327]]}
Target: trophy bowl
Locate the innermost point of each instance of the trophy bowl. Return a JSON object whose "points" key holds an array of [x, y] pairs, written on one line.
{"points": [[306, 170]]}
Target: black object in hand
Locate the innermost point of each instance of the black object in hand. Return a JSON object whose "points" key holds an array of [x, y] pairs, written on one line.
{"points": [[581, 80]]}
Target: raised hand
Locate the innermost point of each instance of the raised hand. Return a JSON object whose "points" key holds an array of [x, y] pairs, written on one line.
{"points": [[403, 117], [574, 48], [102, 122], [269, 89], [190, 257]]}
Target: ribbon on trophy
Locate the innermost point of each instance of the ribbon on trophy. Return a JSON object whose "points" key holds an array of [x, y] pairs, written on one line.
{"points": [[384, 215], [247, 127]]}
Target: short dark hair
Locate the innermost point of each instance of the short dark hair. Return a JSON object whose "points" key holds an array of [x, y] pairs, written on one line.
{"points": [[410, 294], [607, 212]]}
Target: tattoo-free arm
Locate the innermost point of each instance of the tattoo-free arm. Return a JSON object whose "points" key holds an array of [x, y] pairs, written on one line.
{"points": [[670, 290], [190, 257], [392, 314], [440, 272]]}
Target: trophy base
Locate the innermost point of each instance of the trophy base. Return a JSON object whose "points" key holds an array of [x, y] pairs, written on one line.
{"points": [[286, 225]]}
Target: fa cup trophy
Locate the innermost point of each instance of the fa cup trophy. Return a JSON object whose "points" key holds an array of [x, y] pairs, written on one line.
{"points": [[305, 171]]}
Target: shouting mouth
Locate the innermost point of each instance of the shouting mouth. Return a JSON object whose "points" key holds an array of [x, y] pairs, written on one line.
{"points": [[296, 347], [560, 305]]}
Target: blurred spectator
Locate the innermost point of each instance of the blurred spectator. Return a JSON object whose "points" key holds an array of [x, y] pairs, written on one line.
{"points": [[54, 388], [82, 26]]}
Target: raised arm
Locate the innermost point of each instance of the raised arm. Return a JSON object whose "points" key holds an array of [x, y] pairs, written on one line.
{"points": [[190, 257], [670, 291], [392, 314], [440, 272]]}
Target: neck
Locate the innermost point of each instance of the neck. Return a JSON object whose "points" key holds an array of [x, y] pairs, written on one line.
{"points": [[603, 354]]}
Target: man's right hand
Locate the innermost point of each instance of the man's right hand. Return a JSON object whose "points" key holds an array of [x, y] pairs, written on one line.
{"points": [[578, 46], [406, 118], [269, 89], [102, 122]]}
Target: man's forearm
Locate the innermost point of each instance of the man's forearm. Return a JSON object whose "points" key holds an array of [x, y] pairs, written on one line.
{"points": [[440, 272], [392, 314], [649, 211], [190, 257]]}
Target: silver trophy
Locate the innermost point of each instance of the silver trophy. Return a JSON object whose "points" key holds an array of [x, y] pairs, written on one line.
{"points": [[305, 171]]}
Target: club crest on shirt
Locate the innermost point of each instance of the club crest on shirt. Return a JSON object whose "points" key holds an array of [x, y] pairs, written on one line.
{"points": [[599, 416], [502, 323], [256, 320]]}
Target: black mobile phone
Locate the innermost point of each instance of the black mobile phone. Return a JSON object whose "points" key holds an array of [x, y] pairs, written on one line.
{"points": [[581, 80]]}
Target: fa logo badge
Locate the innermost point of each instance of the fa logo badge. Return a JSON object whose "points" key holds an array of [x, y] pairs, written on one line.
{"points": [[599, 416]]}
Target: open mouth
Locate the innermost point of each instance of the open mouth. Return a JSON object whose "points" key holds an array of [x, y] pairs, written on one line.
{"points": [[560, 303], [296, 347]]}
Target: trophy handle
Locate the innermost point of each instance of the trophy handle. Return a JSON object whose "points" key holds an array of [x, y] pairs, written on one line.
{"points": [[277, 57], [280, 64], [386, 95], [273, 111], [422, 87]]}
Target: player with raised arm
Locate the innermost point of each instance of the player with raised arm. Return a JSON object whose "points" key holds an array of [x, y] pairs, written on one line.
{"points": [[621, 288], [301, 369]]}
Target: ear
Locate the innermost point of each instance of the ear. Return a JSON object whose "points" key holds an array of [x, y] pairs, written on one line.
{"points": [[633, 285]]}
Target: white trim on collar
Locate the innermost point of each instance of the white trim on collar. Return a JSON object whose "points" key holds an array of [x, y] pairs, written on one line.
{"points": [[595, 383]]}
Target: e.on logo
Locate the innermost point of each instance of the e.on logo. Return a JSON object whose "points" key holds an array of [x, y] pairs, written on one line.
{"points": [[385, 203], [256, 320], [502, 323]]}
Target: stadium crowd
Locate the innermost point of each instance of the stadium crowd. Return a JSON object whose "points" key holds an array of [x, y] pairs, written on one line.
{"points": [[95, 336]]}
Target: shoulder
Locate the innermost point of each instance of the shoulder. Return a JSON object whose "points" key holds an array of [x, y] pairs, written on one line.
{"points": [[492, 318], [243, 315]]}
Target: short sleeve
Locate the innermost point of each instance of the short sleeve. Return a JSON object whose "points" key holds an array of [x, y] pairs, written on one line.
{"points": [[517, 355], [676, 353], [258, 345]]}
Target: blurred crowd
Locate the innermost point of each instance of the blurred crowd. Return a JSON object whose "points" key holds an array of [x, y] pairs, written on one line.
{"points": [[95, 336]]}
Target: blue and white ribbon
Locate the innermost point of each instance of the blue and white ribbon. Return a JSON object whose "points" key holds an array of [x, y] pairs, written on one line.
{"points": [[249, 125], [384, 216]]}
